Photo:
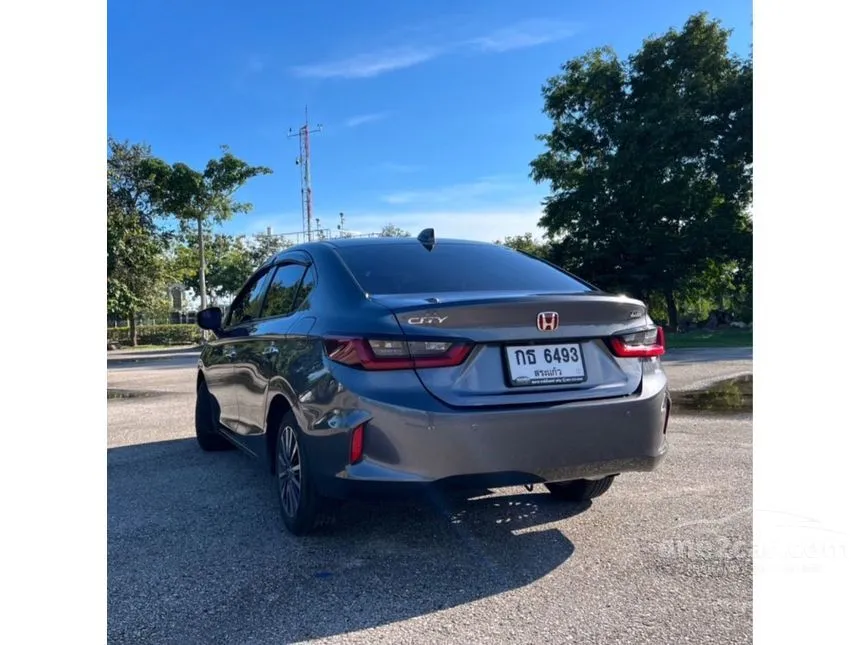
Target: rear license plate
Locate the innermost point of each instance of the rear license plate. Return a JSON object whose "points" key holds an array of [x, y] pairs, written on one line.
{"points": [[545, 364]]}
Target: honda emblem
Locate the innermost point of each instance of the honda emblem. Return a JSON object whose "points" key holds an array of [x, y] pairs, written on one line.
{"points": [[547, 321]]}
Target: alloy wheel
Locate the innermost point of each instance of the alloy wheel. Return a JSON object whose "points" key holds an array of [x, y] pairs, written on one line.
{"points": [[289, 471]]}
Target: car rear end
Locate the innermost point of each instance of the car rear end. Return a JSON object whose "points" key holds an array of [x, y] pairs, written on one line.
{"points": [[492, 368]]}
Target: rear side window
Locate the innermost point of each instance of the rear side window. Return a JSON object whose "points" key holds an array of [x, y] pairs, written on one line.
{"points": [[409, 268], [308, 284], [282, 292], [246, 307]]}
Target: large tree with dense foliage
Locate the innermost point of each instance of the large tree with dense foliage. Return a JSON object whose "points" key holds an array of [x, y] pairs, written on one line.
{"points": [[527, 243], [230, 260], [649, 162], [135, 241], [199, 199]]}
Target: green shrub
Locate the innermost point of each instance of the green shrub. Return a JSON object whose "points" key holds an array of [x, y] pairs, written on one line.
{"points": [[156, 335]]}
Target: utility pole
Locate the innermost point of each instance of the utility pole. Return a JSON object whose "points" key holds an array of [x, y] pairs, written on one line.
{"points": [[304, 160]]}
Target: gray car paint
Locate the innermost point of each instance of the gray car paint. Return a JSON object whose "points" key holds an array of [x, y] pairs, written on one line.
{"points": [[434, 424]]}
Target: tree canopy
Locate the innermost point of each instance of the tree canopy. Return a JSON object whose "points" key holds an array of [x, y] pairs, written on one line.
{"points": [[230, 260], [135, 241], [390, 230], [201, 197], [649, 161], [527, 243]]}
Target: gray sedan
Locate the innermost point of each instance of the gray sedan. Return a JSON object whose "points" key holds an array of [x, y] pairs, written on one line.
{"points": [[401, 366]]}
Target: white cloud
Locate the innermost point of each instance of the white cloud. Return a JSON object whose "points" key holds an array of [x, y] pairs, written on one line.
{"points": [[457, 193], [366, 65], [369, 64], [363, 119], [524, 35]]}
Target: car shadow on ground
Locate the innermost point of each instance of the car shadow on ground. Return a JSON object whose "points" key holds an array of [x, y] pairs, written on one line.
{"points": [[197, 553]]}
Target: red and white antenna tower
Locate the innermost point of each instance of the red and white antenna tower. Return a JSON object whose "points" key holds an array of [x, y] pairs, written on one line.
{"points": [[304, 160]]}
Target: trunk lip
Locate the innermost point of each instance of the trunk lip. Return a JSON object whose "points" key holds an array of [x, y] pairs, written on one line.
{"points": [[402, 304], [401, 301]]}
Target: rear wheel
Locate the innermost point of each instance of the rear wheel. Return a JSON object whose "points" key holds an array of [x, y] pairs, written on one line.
{"points": [[206, 422], [302, 509], [580, 490]]}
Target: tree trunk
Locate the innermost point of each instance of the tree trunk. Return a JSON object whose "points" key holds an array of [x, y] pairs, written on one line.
{"points": [[202, 262], [202, 271], [672, 309], [132, 328]]}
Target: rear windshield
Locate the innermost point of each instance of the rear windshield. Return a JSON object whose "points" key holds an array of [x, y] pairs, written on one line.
{"points": [[409, 268]]}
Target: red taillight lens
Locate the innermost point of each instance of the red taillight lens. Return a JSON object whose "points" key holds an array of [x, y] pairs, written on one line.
{"points": [[379, 354], [640, 344], [356, 446]]}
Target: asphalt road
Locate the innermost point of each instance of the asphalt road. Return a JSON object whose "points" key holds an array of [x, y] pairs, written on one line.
{"points": [[196, 552]]}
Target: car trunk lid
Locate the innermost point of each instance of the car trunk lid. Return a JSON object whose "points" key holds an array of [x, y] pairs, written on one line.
{"points": [[529, 347]]}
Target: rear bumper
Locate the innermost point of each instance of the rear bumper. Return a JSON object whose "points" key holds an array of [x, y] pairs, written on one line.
{"points": [[411, 451]]}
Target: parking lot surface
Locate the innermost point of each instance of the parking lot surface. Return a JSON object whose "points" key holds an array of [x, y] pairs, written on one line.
{"points": [[197, 554]]}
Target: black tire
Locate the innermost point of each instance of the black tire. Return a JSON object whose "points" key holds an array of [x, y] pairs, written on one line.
{"points": [[580, 490], [206, 422], [302, 508]]}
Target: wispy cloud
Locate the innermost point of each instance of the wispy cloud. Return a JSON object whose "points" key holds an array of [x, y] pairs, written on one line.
{"points": [[524, 35], [369, 64], [497, 187], [362, 119], [366, 65]]}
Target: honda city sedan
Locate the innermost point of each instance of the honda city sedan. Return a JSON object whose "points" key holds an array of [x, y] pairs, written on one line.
{"points": [[377, 366]]}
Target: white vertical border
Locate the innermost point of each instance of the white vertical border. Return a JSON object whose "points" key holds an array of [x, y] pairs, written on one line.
{"points": [[52, 250], [806, 456]]}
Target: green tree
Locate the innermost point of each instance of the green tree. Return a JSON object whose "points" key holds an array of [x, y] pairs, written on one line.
{"points": [[228, 264], [649, 161], [135, 241], [390, 230], [262, 247], [202, 198], [230, 261], [527, 243]]}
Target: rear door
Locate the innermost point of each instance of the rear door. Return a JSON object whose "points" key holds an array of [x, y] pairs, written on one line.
{"points": [[537, 334], [271, 347]]}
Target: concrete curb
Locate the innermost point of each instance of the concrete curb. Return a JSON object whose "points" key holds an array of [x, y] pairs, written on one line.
{"points": [[152, 354]]}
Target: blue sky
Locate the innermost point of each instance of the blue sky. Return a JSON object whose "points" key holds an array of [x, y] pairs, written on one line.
{"points": [[429, 110]]}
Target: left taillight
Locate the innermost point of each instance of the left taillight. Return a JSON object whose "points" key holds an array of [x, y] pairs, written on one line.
{"points": [[384, 354], [641, 344]]}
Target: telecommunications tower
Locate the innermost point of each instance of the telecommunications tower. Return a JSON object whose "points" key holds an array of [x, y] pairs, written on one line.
{"points": [[304, 161]]}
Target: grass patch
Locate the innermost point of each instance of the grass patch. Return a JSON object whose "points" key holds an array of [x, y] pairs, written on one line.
{"points": [[704, 338]]}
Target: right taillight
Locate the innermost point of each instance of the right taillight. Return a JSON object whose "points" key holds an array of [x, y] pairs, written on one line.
{"points": [[383, 354], [640, 344]]}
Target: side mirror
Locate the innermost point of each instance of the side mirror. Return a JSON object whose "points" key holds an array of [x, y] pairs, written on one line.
{"points": [[210, 318]]}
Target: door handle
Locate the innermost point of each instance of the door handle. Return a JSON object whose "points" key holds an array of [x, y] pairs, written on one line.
{"points": [[271, 350]]}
